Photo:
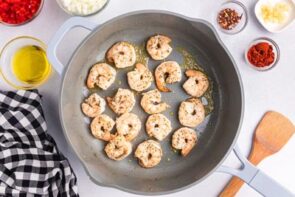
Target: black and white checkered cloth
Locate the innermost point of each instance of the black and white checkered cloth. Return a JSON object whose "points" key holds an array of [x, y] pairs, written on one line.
{"points": [[30, 163]]}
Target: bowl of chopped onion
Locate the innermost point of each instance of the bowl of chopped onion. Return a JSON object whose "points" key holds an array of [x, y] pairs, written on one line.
{"points": [[82, 7]]}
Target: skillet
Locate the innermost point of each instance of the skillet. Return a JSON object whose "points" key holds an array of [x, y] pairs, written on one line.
{"points": [[217, 134]]}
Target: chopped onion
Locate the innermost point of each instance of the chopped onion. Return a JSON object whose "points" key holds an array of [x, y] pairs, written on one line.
{"points": [[83, 7]]}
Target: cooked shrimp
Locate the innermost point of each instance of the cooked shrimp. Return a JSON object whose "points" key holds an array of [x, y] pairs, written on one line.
{"points": [[102, 75], [196, 84], [184, 139], [191, 112], [122, 54], [140, 79], [122, 102], [149, 153], [158, 47], [118, 148], [93, 105], [167, 72], [101, 127], [128, 125], [151, 102], [158, 126]]}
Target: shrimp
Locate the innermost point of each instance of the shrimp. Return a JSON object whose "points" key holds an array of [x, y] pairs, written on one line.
{"points": [[149, 153], [196, 84], [102, 75], [101, 127], [184, 139], [191, 112], [118, 148], [122, 102], [140, 79], [122, 54], [128, 125], [167, 72], [158, 47], [93, 105], [158, 126], [151, 102]]}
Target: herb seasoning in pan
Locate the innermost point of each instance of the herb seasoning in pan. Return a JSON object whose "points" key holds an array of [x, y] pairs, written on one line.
{"points": [[228, 18]]}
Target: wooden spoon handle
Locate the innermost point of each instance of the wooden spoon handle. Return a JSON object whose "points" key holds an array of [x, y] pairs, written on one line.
{"points": [[232, 187]]}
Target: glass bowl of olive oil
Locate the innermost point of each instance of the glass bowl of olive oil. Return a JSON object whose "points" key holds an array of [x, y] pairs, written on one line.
{"points": [[24, 64]]}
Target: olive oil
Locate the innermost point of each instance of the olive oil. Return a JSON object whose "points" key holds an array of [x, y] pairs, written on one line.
{"points": [[189, 61], [30, 65], [141, 54]]}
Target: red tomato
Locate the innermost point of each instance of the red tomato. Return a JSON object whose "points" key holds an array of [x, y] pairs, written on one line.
{"points": [[18, 11]]}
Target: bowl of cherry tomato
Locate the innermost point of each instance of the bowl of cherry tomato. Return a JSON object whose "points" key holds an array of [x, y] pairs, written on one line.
{"points": [[19, 12]]}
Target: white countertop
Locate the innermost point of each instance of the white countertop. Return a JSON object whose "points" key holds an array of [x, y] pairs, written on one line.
{"points": [[272, 90]]}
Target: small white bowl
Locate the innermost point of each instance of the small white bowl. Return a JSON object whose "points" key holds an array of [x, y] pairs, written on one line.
{"points": [[271, 27], [276, 51], [60, 3]]}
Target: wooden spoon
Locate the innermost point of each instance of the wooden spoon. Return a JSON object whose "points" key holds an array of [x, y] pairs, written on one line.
{"points": [[272, 133]]}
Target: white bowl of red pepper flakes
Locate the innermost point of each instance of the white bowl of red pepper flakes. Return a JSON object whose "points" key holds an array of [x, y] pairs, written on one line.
{"points": [[262, 54], [19, 12], [232, 17]]}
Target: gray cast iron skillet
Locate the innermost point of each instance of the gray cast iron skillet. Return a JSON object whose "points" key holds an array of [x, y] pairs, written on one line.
{"points": [[216, 135]]}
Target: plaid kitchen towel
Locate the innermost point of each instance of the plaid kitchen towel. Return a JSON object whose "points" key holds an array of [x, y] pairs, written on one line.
{"points": [[30, 163]]}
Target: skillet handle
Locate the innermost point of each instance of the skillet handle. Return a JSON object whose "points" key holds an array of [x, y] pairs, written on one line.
{"points": [[255, 178], [58, 36]]}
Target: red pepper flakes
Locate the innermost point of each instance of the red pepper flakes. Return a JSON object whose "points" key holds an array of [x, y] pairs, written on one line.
{"points": [[228, 18], [18, 11], [261, 54]]}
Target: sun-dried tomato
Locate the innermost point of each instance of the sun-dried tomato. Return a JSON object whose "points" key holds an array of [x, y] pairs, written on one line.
{"points": [[261, 54]]}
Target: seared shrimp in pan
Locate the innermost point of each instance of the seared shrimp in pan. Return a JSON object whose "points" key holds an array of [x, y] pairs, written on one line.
{"points": [[140, 78], [158, 126], [101, 75], [149, 153], [118, 148], [184, 139], [122, 102], [158, 47], [128, 125], [196, 84], [101, 127], [167, 72], [122, 54], [151, 102], [93, 105], [191, 112]]}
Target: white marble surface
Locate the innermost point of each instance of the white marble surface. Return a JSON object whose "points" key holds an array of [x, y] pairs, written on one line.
{"points": [[272, 90]]}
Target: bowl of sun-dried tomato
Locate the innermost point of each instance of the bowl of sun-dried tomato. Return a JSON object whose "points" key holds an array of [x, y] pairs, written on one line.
{"points": [[262, 54], [19, 12]]}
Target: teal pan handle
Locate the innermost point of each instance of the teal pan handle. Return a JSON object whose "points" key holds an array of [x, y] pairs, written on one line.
{"points": [[255, 178], [59, 35]]}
